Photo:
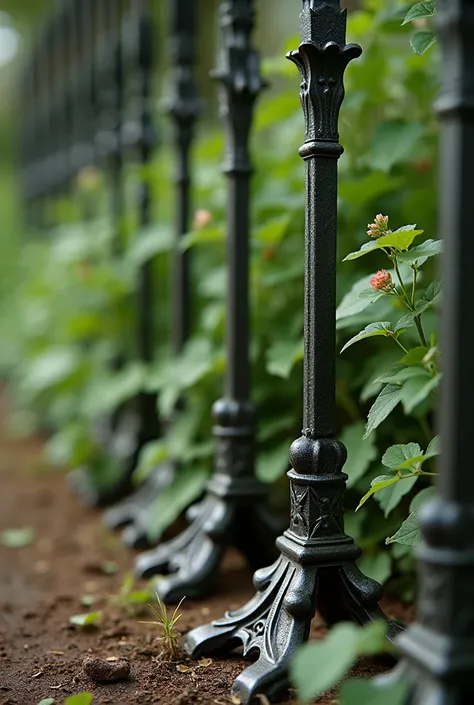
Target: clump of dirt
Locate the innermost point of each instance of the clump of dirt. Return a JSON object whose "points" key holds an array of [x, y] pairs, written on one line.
{"points": [[110, 670]]}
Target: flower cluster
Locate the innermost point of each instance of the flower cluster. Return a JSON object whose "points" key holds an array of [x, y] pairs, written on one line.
{"points": [[379, 227], [381, 280]]}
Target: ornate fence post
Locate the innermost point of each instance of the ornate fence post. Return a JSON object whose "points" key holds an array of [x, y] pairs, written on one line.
{"points": [[439, 646], [184, 109], [316, 568], [117, 432], [232, 511], [140, 135]]}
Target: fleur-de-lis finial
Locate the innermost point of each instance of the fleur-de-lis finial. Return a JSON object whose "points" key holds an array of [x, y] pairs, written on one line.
{"points": [[322, 58]]}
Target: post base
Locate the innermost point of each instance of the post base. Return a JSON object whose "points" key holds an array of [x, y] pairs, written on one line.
{"points": [[277, 620], [133, 510], [102, 486], [190, 561]]}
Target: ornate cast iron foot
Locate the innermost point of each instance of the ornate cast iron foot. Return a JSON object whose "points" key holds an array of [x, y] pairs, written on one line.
{"points": [[315, 571], [112, 480], [132, 508], [191, 560], [232, 513], [92, 494]]}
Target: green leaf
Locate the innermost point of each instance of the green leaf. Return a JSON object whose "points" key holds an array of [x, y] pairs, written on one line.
{"points": [[47, 701], [379, 483], [363, 190], [415, 356], [378, 567], [272, 464], [17, 538], [397, 455], [148, 243], [420, 11], [384, 404], [390, 497], [51, 368], [433, 290], [359, 691], [355, 300], [204, 236], [282, 356], [383, 328], [394, 141], [429, 248], [79, 699], [273, 230], [360, 452], [400, 240], [423, 497], [400, 375], [417, 389], [422, 41], [150, 456], [90, 619], [334, 657], [434, 446], [409, 534], [87, 600], [187, 485], [372, 639], [269, 428], [109, 567]]}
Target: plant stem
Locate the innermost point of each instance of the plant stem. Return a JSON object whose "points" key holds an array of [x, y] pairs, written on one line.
{"points": [[413, 289], [400, 344], [420, 330], [402, 285]]}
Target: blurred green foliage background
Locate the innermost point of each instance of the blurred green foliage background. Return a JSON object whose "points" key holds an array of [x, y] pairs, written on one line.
{"points": [[60, 290]]}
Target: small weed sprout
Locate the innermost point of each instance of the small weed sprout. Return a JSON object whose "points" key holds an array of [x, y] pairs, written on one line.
{"points": [[170, 638], [129, 599]]}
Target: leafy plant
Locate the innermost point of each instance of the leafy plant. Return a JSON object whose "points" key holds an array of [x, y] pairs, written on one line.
{"points": [[84, 621], [167, 624], [17, 538], [420, 14], [129, 598], [335, 656], [416, 376], [70, 311], [79, 699]]}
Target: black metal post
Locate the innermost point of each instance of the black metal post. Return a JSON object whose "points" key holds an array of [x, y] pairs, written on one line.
{"points": [[232, 511], [316, 568], [439, 646], [134, 510], [119, 431]]}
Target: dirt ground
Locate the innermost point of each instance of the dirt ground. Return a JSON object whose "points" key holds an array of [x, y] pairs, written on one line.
{"points": [[41, 586]]}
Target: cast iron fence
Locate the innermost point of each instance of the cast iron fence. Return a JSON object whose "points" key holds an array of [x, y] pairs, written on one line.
{"points": [[87, 101]]}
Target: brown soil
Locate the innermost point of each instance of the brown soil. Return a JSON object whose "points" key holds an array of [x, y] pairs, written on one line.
{"points": [[41, 585]]}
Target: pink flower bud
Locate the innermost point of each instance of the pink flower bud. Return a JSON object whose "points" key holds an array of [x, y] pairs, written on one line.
{"points": [[202, 218], [381, 280], [379, 227]]}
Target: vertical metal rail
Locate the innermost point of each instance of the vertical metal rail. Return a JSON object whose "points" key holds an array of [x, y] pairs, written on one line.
{"points": [[117, 431], [184, 109], [133, 511], [439, 646], [146, 143], [316, 568], [233, 510]]}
